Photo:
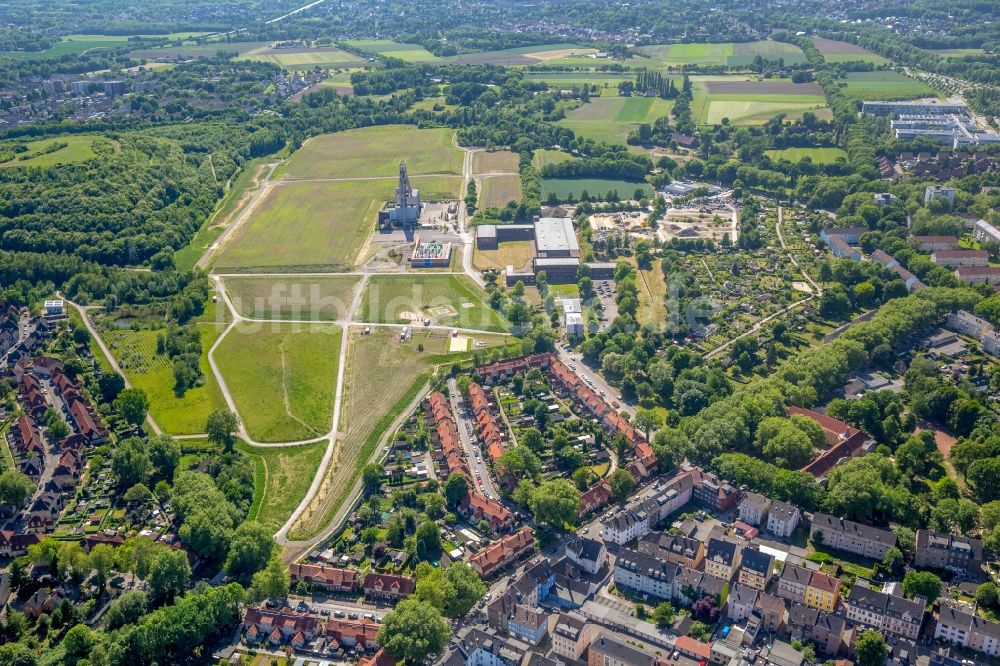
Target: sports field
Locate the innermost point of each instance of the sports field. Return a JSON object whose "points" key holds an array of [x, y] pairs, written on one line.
{"points": [[596, 188], [751, 102], [447, 300], [382, 377], [282, 478], [486, 161], [79, 147], [375, 151], [189, 51], [610, 119], [326, 57], [282, 377], [389, 48], [497, 191], [727, 53], [884, 85], [319, 224], [312, 298], [135, 351], [836, 51], [817, 155]]}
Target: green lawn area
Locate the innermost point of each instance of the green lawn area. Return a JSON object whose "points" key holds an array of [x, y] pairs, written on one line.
{"points": [[194, 50], [283, 476], [448, 300], [543, 156], [70, 45], [837, 51], [757, 109], [326, 57], [389, 48], [595, 187], [817, 155], [313, 298], [956, 53], [610, 119], [606, 81], [45, 153], [884, 85], [375, 151], [295, 225], [282, 378], [135, 351], [732, 54], [510, 253]]}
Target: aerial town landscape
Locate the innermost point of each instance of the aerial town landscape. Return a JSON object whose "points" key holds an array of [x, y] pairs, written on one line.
{"points": [[490, 333]]}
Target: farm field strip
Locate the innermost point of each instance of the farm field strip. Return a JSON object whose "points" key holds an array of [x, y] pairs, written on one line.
{"points": [[563, 187], [733, 54], [306, 58], [497, 191], [611, 119], [884, 85], [837, 51], [292, 297], [503, 161]]}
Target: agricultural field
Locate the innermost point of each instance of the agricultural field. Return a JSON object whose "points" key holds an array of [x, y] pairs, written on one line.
{"points": [[543, 157], [189, 51], [610, 119], [312, 298], [817, 155], [497, 191], [727, 53], [510, 253], [502, 161], [298, 362], [326, 57], [595, 187], [956, 53], [295, 224], [78, 148], [749, 102], [391, 49], [884, 85], [526, 55], [282, 478], [836, 51], [70, 45], [607, 82], [135, 351], [376, 151], [382, 377], [447, 300]]}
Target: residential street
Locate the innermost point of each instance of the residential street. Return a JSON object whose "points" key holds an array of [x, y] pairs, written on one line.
{"points": [[466, 426]]}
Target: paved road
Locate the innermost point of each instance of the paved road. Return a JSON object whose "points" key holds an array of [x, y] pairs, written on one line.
{"points": [[472, 454]]}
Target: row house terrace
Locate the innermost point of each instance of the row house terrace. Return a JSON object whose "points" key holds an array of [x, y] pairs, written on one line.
{"points": [[499, 554], [330, 579], [490, 430]]}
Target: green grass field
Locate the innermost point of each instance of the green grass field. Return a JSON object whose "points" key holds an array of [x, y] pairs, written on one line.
{"points": [[295, 224], [329, 57], [726, 53], [595, 187], [282, 378], [543, 156], [884, 85], [817, 155], [493, 161], [956, 53], [448, 300], [70, 45], [745, 101], [312, 298], [207, 50], [135, 352], [836, 51], [375, 151], [607, 82], [79, 147], [496, 191], [610, 119], [283, 476], [387, 47]]}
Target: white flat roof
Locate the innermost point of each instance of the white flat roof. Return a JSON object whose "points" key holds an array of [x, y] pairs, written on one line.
{"points": [[555, 234]]}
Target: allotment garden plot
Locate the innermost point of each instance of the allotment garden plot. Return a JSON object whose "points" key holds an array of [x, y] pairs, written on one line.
{"points": [[282, 377]]}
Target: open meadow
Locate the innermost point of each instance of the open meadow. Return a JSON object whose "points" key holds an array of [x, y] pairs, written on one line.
{"points": [[884, 85], [752, 102], [543, 157], [60, 150], [497, 191], [610, 119], [447, 300], [594, 187], [307, 298], [731, 54], [489, 161], [817, 155], [607, 82], [318, 224], [194, 50], [382, 377], [527, 55], [282, 476], [389, 48], [326, 57], [282, 377], [70, 45], [375, 151], [135, 351], [837, 51]]}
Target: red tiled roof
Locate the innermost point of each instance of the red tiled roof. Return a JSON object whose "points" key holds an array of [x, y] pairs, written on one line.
{"points": [[505, 549], [824, 582], [324, 575], [690, 646], [489, 508], [382, 582]]}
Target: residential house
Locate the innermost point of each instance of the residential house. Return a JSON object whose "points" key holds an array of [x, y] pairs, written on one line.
{"points": [[741, 602], [935, 550], [811, 625], [388, 587], [347, 633], [645, 574], [13, 544], [529, 623], [756, 569], [969, 631], [477, 506], [536, 583], [842, 534], [625, 525], [673, 548], [501, 553], [572, 635], [844, 442], [773, 612], [978, 274], [712, 492], [934, 243], [753, 509], [849, 235], [588, 554], [783, 518], [42, 601], [610, 650], [693, 649], [885, 612], [960, 258], [279, 626], [595, 497], [722, 558], [691, 585], [330, 579], [822, 592]]}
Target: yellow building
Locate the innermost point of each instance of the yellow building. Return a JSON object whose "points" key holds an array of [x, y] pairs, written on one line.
{"points": [[822, 592]]}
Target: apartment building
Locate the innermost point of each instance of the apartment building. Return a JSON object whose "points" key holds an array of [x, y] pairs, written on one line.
{"points": [[969, 631], [885, 612], [957, 258], [822, 592], [783, 518], [935, 550], [841, 534], [753, 509], [756, 569], [793, 582], [673, 548], [722, 558]]}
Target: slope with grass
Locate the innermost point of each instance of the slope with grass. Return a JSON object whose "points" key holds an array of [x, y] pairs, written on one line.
{"points": [[282, 378]]}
